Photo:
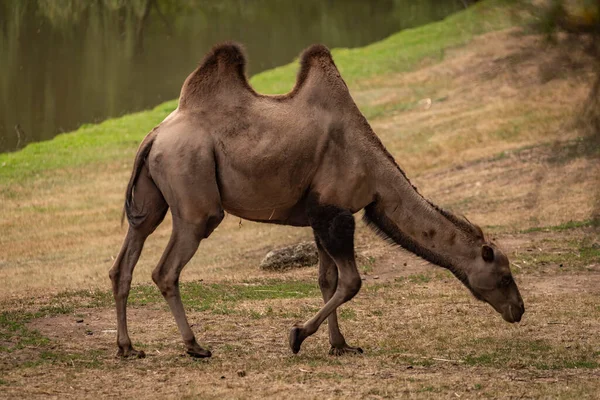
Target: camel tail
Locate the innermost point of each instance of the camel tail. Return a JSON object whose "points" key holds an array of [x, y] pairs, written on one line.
{"points": [[138, 164]]}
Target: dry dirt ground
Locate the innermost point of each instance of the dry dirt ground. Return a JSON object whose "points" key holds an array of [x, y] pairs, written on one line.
{"points": [[487, 132]]}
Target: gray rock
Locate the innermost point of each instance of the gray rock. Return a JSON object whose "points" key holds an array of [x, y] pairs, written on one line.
{"points": [[298, 255]]}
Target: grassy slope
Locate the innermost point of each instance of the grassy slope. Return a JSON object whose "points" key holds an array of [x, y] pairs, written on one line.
{"points": [[116, 139]]}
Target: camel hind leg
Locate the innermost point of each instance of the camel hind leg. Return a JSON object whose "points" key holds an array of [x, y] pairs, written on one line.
{"points": [[193, 196], [148, 211]]}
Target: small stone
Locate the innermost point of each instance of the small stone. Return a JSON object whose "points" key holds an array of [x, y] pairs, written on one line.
{"points": [[409, 367], [376, 277], [89, 332], [79, 320], [241, 373]]}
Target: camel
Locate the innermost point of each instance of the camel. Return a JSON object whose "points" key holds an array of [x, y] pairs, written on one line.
{"points": [[308, 158]]}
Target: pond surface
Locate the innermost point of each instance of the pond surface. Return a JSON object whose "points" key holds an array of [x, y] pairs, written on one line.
{"points": [[64, 63]]}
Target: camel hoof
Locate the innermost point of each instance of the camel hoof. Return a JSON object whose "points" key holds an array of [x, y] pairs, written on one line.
{"points": [[296, 339], [130, 353], [199, 353], [338, 351]]}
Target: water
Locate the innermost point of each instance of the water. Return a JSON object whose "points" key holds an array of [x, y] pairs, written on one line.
{"points": [[64, 63]]}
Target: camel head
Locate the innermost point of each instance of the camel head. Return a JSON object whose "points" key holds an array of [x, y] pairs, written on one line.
{"points": [[490, 280]]}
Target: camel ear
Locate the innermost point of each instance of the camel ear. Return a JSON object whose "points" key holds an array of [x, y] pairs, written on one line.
{"points": [[487, 253]]}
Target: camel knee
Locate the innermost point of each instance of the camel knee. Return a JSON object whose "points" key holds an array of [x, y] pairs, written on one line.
{"points": [[167, 284], [121, 283], [350, 287], [113, 274]]}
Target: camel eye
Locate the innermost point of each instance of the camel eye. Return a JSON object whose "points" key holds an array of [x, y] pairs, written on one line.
{"points": [[505, 281]]}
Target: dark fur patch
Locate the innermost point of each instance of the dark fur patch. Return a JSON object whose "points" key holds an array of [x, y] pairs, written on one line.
{"points": [[386, 228], [334, 228]]}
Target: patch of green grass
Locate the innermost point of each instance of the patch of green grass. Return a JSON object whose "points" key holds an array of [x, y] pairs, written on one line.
{"points": [[367, 265], [222, 297], [347, 314], [14, 333], [418, 278], [219, 298], [575, 255], [88, 298], [113, 139], [381, 110], [89, 359], [568, 364], [116, 140], [594, 222], [53, 309], [429, 388], [590, 253], [583, 146], [538, 353]]}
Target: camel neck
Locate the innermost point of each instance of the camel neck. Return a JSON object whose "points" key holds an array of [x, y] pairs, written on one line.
{"points": [[411, 221]]}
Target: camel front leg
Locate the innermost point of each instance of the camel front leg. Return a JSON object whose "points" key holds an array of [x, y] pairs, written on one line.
{"points": [[334, 228], [328, 281]]}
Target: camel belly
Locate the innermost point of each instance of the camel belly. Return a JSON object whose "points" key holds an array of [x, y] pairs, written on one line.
{"points": [[259, 199]]}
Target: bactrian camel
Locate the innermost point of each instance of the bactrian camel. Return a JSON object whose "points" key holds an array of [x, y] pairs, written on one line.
{"points": [[307, 158]]}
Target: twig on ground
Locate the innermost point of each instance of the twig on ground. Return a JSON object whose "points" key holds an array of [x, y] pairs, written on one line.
{"points": [[443, 359]]}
